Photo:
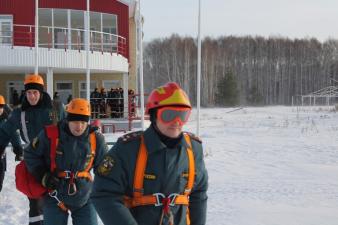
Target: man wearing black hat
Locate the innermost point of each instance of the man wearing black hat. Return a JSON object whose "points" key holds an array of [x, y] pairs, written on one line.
{"points": [[35, 112]]}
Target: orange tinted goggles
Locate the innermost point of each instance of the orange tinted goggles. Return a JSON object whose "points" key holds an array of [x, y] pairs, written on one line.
{"points": [[171, 113]]}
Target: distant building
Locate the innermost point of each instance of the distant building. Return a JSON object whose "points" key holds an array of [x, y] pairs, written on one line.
{"points": [[62, 54]]}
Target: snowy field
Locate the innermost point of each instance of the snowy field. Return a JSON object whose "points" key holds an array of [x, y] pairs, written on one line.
{"points": [[267, 166]]}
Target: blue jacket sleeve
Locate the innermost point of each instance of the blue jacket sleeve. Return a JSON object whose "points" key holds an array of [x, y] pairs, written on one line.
{"points": [[109, 188], [198, 196], [9, 129], [35, 156]]}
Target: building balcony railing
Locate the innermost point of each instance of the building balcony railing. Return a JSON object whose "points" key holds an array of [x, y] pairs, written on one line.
{"points": [[63, 38]]}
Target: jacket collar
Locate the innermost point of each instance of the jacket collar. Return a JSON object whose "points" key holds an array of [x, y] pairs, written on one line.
{"points": [[153, 142]]}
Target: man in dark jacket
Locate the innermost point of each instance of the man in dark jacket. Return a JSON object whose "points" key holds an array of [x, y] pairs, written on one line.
{"points": [[71, 179], [35, 113], [157, 176], [5, 111]]}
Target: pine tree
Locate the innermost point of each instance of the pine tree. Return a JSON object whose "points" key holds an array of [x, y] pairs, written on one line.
{"points": [[254, 97], [227, 92]]}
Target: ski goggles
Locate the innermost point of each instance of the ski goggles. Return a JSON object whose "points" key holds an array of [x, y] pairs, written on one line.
{"points": [[169, 114]]}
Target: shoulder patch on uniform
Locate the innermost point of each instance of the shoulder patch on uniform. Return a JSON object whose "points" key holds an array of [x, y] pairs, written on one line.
{"points": [[193, 136], [131, 136], [106, 165]]}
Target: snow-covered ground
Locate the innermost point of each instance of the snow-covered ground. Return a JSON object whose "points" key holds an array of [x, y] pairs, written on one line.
{"points": [[267, 166]]}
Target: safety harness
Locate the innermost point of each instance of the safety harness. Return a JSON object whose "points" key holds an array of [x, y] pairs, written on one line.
{"points": [[52, 132], [160, 199]]}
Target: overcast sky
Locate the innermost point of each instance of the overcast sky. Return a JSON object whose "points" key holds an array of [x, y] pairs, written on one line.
{"points": [[289, 18]]}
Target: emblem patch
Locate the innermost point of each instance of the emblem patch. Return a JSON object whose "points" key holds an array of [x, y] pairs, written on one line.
{"points": [[106, 166]]}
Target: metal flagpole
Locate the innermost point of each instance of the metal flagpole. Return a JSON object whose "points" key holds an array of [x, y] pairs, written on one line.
{"points": [[36, 70], [140, 56], [87, 53], [199, 69]]}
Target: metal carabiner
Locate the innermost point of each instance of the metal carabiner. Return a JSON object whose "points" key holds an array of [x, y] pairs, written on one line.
{"points": [[72, 188]]}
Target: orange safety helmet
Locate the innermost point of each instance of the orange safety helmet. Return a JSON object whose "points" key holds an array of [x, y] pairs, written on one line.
{"points": [[2, 100], [79, 106], [170, 94], [34, 78], [33, 81]]}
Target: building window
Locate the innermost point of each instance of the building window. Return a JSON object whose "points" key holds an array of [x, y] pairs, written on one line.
{"points": [[6, 29], [65, 28], [83, 88], [64, 88]]}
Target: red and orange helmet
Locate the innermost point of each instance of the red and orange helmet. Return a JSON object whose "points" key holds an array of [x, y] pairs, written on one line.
{"points": [[171, 94]]}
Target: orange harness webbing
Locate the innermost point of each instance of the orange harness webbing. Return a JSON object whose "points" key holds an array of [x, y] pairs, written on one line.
{"points": [[52, 132], [139, 199]]}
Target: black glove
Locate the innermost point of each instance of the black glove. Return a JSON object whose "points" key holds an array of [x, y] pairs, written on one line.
{"points": [[51, 181], [18, 151]]}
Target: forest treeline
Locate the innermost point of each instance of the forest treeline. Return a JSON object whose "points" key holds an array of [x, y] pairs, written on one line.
{"points": [[242, 70]]}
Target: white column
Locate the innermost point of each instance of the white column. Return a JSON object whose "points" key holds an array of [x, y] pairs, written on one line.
{"points": [[125, 95], [87, 52], [69, 36], [140, 63], [36, 70], [50, 82]]}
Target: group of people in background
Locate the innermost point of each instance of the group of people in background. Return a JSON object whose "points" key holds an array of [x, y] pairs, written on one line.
{"points": [[110, 104], [103, 104], [151, 177]]}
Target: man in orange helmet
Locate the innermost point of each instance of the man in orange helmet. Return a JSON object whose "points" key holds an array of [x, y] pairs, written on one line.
{"points": [[36, 111], [80, 148], [5, 111], [157, 176]]}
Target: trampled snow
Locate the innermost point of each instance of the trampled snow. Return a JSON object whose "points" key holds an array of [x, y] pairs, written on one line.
{"points": [[267, 166]]}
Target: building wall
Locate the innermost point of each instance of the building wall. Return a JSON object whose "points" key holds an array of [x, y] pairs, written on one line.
{"points": [[23, 12]]}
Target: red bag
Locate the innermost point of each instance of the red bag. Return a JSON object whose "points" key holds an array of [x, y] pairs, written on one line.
{"points": [[26, 182]]}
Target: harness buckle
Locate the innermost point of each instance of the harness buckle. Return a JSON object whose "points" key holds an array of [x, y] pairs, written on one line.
{"points": [[68, 174], [172, 198], [159, 197]]}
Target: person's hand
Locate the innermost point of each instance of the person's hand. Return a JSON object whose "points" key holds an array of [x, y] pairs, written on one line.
{"points": [[51, 181]]}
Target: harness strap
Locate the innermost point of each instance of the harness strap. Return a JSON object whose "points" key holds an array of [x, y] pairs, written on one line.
{"points": [[153, 200], [191, 176], [80, 174], [141, 164], [52, 133], [139, 199], [24, 126]]}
